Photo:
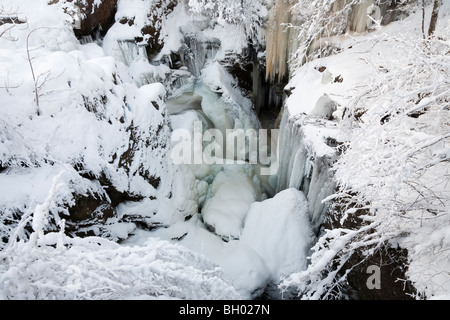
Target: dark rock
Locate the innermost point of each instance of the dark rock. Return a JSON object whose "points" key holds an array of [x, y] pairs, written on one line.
{"points": [[85, 207], [393, 284], [130, 22], [3, 167], [241, 68], [338, 79], [289, 91], [94, 19], [390, 261], [117, 197], [153, 29]]}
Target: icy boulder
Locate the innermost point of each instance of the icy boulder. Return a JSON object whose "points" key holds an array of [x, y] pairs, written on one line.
{"points": [[324, 107], [232, 192], [279, 230]]}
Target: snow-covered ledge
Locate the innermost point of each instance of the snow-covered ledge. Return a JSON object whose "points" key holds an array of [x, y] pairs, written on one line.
{"points": [[306, 156]]}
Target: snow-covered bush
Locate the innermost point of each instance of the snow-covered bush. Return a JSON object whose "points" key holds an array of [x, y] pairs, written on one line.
{"points": [[318, 22], [251, 14], [54, 266], [302, 30]]}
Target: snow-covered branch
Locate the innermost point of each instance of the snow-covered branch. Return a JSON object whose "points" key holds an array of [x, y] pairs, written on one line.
{"points": [[393, 175], [51, 265]]}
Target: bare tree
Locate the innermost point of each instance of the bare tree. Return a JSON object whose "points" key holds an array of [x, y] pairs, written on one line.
{"points": [[39, 80], [8, 21], [434, 17], [35, 81], [423, 19]]}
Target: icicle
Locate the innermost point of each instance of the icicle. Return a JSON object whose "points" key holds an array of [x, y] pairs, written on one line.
{"points": [[131, 51], [360, 20], [277, 40]]}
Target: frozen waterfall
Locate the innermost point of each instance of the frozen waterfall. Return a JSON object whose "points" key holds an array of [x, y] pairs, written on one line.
{"points": [[257, 225]]}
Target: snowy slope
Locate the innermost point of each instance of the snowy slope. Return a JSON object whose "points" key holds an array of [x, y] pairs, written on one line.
{"points": [[386, 93], [88, 116], [84, 150]]}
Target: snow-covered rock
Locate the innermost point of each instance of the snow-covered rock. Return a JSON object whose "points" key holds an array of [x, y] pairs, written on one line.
{"points": [[69, 107], [230, 195], [279, 230]]}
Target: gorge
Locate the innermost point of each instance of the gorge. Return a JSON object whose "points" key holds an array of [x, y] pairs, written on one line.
{"points": [[207, 149]]}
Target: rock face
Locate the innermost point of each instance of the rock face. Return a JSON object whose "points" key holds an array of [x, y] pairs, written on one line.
{"points": [[94, 17], [97, 18], [151, 29], [382, 275]]}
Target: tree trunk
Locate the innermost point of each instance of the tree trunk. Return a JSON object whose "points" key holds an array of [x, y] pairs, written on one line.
{"points": [[423, 19], [434, 17]]}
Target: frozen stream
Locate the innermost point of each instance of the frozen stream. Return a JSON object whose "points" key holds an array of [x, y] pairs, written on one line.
{"points": [[253, 237], [233, 215]]}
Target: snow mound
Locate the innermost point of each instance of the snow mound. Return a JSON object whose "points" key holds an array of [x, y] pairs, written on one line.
{"points": [[279, 230], [232, 192]]}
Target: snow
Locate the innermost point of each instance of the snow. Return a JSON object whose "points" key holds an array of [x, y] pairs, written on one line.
{"points": [[171, 31], [101, 129], [230, 195], [275, 241], [392, 163], [279, 230], [50, 25], [78, 270]]}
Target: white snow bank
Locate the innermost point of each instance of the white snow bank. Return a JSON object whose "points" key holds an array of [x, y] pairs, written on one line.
{"points": [[46, 26], [50, 265], [279, 230], [95, 269], [241, 265], [275, 242]]}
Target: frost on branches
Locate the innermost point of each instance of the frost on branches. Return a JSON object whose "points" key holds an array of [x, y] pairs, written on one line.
{"points": [[318, 23], [250, 14], [394, 173]]}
